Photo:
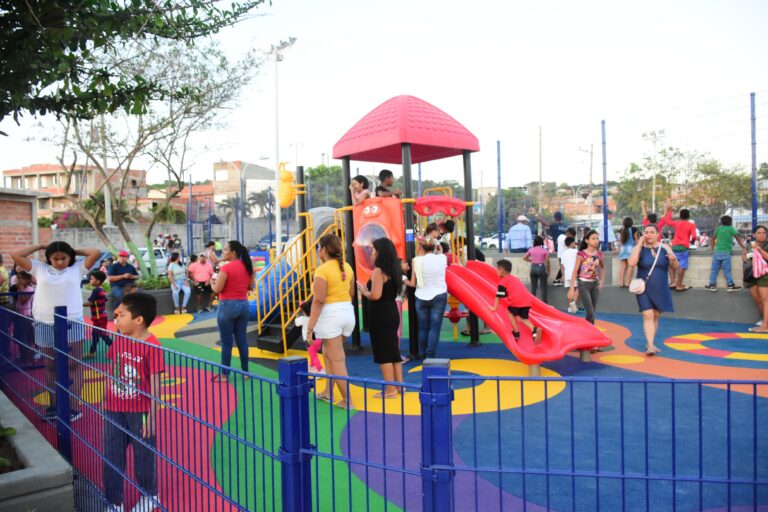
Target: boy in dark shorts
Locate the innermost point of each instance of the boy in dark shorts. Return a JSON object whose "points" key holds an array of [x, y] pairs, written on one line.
{"points": [[518, 299], [98, 304], [131, 403]]}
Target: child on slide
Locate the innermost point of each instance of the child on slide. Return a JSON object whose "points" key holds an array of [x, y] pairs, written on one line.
{"points": [[518, 300]]}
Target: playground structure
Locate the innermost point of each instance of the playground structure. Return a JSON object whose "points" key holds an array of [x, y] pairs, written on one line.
{"points": [[287, 282]]}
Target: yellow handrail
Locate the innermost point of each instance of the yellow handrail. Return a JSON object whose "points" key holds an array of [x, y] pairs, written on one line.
{"points": [[299, 259]]}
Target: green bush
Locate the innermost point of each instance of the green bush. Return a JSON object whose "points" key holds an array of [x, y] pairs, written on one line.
{"points": [[44, 222], [154, 283]]}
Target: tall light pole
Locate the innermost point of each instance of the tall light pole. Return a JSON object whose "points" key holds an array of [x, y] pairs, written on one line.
{"points": [[654, 136], [589, 197], [540, 173], [107, 193], [277, 52]]}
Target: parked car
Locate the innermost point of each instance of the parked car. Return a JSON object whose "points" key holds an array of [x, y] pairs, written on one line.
{"points": [[161, 259], [492, 242], [265, 242]]}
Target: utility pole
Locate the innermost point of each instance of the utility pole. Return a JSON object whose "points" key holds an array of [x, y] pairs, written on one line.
{"points": [[589, 197], [107, 193], [655, 136], [540, 173]]}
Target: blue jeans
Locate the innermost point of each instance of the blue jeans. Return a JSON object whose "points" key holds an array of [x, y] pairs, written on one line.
{"points": [[181, 286], [721, 260], [430, 315], [233, 323]]}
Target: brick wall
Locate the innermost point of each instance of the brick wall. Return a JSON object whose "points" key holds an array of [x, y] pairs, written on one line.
{"points": [[15, 226]]}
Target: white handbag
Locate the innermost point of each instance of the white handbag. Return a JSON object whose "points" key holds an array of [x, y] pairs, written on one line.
{"points": [[637, 285]]}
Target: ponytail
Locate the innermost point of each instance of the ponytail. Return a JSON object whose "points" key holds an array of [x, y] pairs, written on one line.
{"points": [[332, 245], [242, 254]]}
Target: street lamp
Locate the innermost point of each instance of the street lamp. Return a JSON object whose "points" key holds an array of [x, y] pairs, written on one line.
{"points": [[277, 51], [654, 136], [589, 197]]}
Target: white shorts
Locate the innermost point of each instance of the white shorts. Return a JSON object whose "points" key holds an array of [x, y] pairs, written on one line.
{"points": [[337, 319], [44, 332]]}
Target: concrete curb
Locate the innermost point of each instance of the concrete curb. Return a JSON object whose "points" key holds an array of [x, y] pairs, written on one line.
{"points": [[46, 481]]}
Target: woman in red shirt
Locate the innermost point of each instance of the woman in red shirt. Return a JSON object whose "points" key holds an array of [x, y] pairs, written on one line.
{"points": [[234, 281]]}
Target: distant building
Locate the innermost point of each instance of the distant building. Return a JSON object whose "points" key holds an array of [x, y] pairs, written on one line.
{"points": [[51, 179], [227, 178], [201, 204]]}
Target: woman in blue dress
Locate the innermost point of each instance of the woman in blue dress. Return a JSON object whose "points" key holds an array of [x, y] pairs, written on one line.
{"points": [[657, 298]]}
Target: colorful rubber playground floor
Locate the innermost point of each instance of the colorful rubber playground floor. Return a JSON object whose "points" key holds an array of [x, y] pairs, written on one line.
{"points": [[489, 425]]}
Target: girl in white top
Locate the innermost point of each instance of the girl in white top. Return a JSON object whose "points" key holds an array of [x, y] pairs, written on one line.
{"points": [[58, 284], [431, 294]]}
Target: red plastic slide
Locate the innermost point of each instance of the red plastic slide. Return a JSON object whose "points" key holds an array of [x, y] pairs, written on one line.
{"points": [[475, 286]]}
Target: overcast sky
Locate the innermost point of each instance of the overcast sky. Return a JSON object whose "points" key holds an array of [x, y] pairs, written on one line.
{"points": [[502, 69]]}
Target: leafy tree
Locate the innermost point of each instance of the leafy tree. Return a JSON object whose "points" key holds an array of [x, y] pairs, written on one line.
{"points": [[162, 134], [715, 190], [514, 202], [50, 52]]}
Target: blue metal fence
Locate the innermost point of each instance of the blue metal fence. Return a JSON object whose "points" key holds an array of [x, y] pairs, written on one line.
{"points": [[454, 442]]}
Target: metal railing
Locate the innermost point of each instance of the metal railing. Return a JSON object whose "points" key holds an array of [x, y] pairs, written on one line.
{"points": [[453, 442]]}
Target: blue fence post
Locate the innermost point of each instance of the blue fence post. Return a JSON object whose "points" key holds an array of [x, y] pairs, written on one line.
{"points": [[296, 469], [436, 436], [61, 362]]}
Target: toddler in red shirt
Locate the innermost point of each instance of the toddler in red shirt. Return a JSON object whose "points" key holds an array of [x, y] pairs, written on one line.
{"points": [[518, 299], [131, 402]]}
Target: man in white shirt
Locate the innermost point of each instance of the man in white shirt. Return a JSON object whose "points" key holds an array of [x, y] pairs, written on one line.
{"points": [[519, 236]]}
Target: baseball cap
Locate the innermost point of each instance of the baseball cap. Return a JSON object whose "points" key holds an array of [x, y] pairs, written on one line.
{"points": [[123, 253], [522, 218]]}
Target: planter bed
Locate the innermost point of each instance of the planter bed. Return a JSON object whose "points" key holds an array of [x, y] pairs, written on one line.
{"points": [[45, 482]]}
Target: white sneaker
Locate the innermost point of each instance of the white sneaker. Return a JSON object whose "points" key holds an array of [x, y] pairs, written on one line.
{"points": [[759, 322], [572, 307], [146, 504], [315, 371]]}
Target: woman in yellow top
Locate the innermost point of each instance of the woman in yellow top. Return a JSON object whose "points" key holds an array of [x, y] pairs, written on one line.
{"points": [[332, 318]]}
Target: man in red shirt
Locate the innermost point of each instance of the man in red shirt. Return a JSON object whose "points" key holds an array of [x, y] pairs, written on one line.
{"points": [[131, 403], [685, 235], [518, 299]]}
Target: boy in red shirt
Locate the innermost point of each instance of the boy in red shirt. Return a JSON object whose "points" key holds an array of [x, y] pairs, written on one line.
{"points": [[518, 299], [131, 403], [685, 235]]}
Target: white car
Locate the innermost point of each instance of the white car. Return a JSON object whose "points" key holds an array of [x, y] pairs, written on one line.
{"points": [[492, 242], [161, 259]]}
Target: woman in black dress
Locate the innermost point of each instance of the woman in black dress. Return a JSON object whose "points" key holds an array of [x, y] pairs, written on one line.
{"points": [[381, 292]]}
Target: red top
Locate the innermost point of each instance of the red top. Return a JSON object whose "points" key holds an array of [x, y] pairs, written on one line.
{"points": [[133, 363], [236, 286], [662, 222], [515, 291], [685, 231]]}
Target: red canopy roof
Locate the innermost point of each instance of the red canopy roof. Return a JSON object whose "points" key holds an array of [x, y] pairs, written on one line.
{"points": [[378, 136]]}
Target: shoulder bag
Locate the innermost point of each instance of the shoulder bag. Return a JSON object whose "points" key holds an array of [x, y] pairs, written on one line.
{"points": [[637, 285]]}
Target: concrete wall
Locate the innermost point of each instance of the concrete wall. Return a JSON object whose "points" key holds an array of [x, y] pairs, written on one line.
{"points": [[86, 237], [697, 275], [692, 304]]}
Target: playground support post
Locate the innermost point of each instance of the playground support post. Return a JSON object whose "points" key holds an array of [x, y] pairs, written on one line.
{"points": [[61, 392], [499, 213], [470, 241], [437, 436], [410, 249], [753, 122], [295, 467], [349, 235], [606, 245]]}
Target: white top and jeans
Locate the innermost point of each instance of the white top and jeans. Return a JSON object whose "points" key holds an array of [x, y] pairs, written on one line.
{"points": [[57, 288], [431, 299]]}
